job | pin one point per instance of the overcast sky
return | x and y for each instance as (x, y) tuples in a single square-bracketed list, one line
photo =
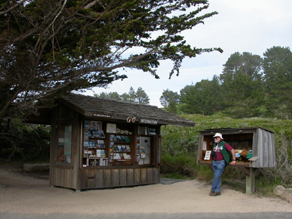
[(241, 26)]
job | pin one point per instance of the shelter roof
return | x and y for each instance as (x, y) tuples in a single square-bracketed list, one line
[(119, 110)]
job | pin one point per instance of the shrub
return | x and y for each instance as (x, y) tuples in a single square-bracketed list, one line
[(24, 141), (182, 164)]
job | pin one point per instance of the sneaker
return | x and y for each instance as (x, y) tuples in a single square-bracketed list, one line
[(212, 193)]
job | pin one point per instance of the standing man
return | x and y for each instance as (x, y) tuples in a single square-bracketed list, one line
[(221, 158)]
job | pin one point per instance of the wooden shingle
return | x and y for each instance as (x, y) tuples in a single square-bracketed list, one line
[(114, 109)]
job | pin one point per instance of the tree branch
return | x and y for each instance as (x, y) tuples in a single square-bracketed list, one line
[(12, 7)]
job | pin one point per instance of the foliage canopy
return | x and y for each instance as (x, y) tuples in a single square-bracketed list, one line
[(50, 47), (249, 86), (133, 96)]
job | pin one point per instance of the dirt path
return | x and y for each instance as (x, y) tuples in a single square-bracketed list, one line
[(26, 194)]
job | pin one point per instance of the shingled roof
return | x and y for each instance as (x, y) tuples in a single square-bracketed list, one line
[(114, 109)]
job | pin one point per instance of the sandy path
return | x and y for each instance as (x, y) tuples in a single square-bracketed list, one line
[(25, 194)]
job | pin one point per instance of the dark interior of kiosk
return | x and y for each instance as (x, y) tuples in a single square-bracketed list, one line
[(242, 144)]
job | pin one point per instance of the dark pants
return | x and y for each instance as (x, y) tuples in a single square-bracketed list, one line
[(218, 169)]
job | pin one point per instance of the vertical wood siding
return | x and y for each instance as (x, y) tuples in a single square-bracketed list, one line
[(109, 178), (264, 149), (63, 177), (273, 151), (130, 177)]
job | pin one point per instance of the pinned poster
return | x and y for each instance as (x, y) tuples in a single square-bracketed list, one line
[(111, 128), (207, 155), (204, 146)]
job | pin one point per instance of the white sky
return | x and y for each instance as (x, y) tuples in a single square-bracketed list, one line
[(241, 26)]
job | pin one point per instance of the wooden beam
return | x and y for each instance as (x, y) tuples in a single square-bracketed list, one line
[(250, 181), (245, 170)]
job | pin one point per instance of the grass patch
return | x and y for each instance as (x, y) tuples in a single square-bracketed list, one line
[(205, 173), (265, 187)]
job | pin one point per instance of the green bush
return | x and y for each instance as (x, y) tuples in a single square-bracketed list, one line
[(24, 142), (182, 164), (204, 173)]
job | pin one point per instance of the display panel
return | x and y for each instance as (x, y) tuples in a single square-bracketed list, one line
[(64, 143), (143, 150), (106, 148), (115, 144)]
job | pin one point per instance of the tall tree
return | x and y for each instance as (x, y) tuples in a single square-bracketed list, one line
[(278, 80), (205, 97), (187, 96), (141, 96), (169, 100), (110, 95), (242, 84), (130, 96), (169, 97), (136, 97), (52, 47)]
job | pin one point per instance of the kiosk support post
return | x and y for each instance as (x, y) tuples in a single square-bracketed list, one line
[(250, 181)]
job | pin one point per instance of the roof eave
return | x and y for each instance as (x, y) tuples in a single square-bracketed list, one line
[(138, 120), (190, 124)]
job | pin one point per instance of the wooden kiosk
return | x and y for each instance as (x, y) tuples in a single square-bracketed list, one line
[(103, 143), (254, 148)]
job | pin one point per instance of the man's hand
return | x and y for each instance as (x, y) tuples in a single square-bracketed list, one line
[(233, 163)]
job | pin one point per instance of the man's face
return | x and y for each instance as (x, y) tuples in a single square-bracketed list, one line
[(217, 139)]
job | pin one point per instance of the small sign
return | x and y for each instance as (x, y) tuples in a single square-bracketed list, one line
[(149, 121), (152, 131), (101, 115), (207, 155)]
